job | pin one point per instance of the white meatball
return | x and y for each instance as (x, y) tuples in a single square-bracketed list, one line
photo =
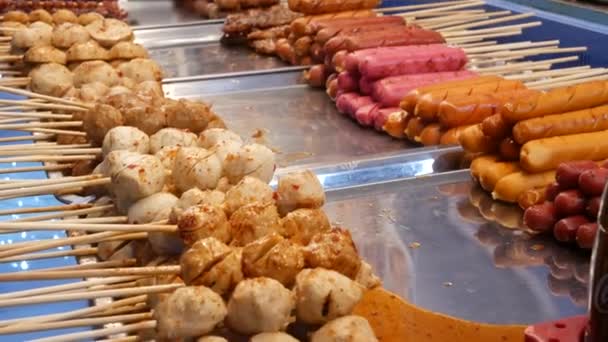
[(247, 191), (273, 337), (118, 90), (64, 16), (167, 157), (196, 196), (128, 50), (149, 88), (252, 160), (349, 328), (141, 69), (153, 208), (93, 92), (211, 339), (125, 138), (260, 305), (68, 34), (196, 167), (51, 79), (189, 312), (203, 221), (299, 189), (89, 17), (366, 276), (38, 33), (95, 71), (44, 54), (323, 295), (209, 138), (109, 32), (86, 51), (169, 137)]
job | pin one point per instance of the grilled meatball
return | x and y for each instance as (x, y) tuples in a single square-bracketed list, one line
[(87, 18), (196, 167), (39, 34), (99, 120), (86, 51), (274, 257), (68, 34), (128, 50), (251, 160), (248, 190), (95, 71), (141, 70), (300, 225), (41, 15), (172, 137), (93, 92), (109, 32), (366, 276), (51, 79), (348, 328), (148, 88), (191, 115), (125, 138), (64, 16), (300, 189), (254, 221), (273, 337), (11, 25), (202, 221), (196, 196), (333, 250), (18, 16), (44, 54)]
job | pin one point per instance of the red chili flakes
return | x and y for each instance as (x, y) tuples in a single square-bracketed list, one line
[(296, 187)]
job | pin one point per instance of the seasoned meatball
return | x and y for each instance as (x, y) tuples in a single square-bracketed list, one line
[(153, 208), (18, 16), (189, 312), (167, 157), (172, 137), (144, 113), (95, 71), (86, 51), (41, 15), (44, 54), (300, 225), (211, 339), (119, 90), (323, 295), (109, 32), (87, 18), (248, 190), (33, 35), (92, 92), (141, 70), (196, 167), (260, 305), (125, 138), (64, 16), (128, 50), (348, 328), (99, 120), (191, 115), (68, 34), (274, 257), (254, 221), (14, 25), (273, 337), (333, 250), (366, 276), (251, 160), (211, 263), (196, 196), (202, 221), (51, 79), (300, 189), (210, 138), (149, 88)]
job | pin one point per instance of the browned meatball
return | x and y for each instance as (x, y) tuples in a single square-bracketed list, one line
[(333, 250), (146, 114), (254, 221), (202, 221), (99, 120), (274, 257), (186, 114), (300, 225)]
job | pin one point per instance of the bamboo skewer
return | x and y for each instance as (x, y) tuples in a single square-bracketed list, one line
[(55, 131), (574, 81), (490, 21), (40, 104), (53, 225), (58, 167), (420, 6), (102, 219), (42, 145), (443, 8), (41, 115), (54, 151), (68, 103), (453, 34), (529, 52), (549, 73), (78, 212), (35, 137), (42, 125), (28, 183), (480, 37), (91, 266), (31, 210), (511, 46), (527, 65), (50, 255), (99, 332), (456, 20), (43, 158), (487, 43), (110, 272)]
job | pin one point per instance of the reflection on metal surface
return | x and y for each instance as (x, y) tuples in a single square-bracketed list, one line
[(179, 36)]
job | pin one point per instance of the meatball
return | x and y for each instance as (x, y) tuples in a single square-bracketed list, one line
[(300, 225), (44, 54), (40, 15), (333, 250), (119, 90), (149, 88), (273, 337), (366, 276), (125, 138), (196, 196), (141, 69), (217, 122), (93, 92), (99, 120), (86, 51), (274, 257), (186, 114), (248, 190), (128, 50), (144, 113), (196, 167), (210, 138), (95, 71), (171, 137), (51, 79), (299, 189), (87, 18), (189, 312), (211, 339), (18, 16), (202, 221), (117, 250), (323, 295), (167, 157), (11, 28), (254, 221), (68, 34), (211, 263), (348, 328), (260, 305), (109, 32), (33, 35), (251, 160), (64, 16), (153, 208)]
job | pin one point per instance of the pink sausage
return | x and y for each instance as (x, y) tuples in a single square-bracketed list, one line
[(380, 66), (348, 82), (365, 114), (391, 90), (349, 103), (382, 117), (352, 60), (365, 86)]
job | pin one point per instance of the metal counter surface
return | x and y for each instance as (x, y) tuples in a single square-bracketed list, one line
[(433, 247), (157, 12)]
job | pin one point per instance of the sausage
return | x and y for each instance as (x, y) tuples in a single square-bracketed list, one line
[(496, 127), (348, 82), (510, 187), (557, 100), (302, 26), (473, 140), (593, 207), (366, 87), (301, 46), (285, 50), (389, 91), (581, 121), (547, 153), (330, 6), (382, 115), (450, 137), (430, 135), (414, 128), (332, 88), (315, 76), (467, 110), (541, 217), (355, 25), (317, 53), (585, 235), (531, 197), (481, 163), (592, 182), (552, 190), (570, 202), (396, 124), (567, 173), (509, 149), (427, 105), (366, 115), (411, 99), (492, 173), (338, 61), (348, 103), (565, 229)]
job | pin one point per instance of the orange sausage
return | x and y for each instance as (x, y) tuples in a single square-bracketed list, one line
[(414, 128), (301, 46), (316, 76), (558, 100), (427, 105), (493, 172), (396, 124), (496, 127), (510, 187), (301, 26), (468, 110), (481, 163), (450, 137), (430, 135), (330, 6), (473, 140), (509, 150)]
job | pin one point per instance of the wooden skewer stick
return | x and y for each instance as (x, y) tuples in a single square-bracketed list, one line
[(487, 43), (102, 219), (109, 272), (145, 325), (78, 212), (453, 34), (92, 266), (132, 338), (58, 167), (50, 255), (442, 8), (6, 121), (526, 65), (570, 80), (79, 322), (10, 58), (31, 210), (55, 131), (42, 125), (70, 104), (26, 183), (40, 104), (43, 158), (41, 115), (86, 312), (66, 287), (489, 22), (35, 137), (53, 225), (53, 151), (122, 310), (510, 46), (478, 38), (44, 145), (529, 52), (548, 73), (421, 6), (444, 22), (447, 14)]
